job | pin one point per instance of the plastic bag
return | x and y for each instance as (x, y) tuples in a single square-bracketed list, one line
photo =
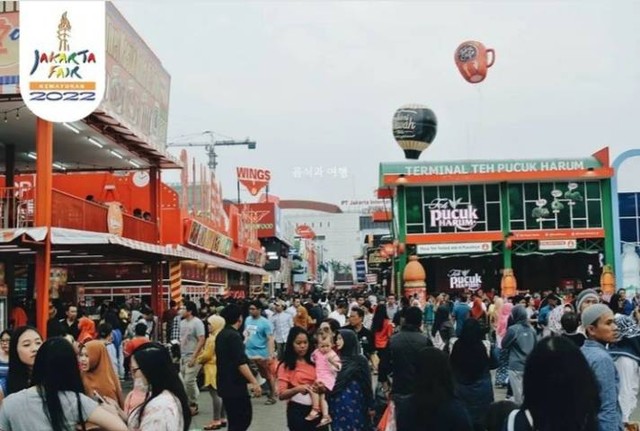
[(388, 421)]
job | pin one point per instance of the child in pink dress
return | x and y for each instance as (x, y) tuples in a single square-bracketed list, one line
[(327, 366)]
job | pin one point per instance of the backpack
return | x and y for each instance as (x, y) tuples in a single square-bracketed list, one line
[(511, 420)]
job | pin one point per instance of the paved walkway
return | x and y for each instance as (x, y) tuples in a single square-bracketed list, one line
[(273, 418)]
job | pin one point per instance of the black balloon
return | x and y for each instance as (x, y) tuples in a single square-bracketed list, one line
[(414, 128)]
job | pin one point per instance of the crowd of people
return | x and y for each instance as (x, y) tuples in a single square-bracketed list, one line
[(354, 363)]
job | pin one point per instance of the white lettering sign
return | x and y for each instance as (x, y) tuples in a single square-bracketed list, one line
[(461, 279), (453, 213), (496, 167), (557, 244), (469, 247)]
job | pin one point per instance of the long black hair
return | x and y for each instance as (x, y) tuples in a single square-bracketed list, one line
[(19, 372), (434, 383), (154, 362), (56, 370), (289, 358), (573, 404), (378, 318), (614, 303), (469, 358), (442, 316)]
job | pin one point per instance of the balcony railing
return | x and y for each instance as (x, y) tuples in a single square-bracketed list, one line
[(17, 210), (139, 229), (16, 207)]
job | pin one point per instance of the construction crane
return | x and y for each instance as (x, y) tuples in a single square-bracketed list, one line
[(210, 147)]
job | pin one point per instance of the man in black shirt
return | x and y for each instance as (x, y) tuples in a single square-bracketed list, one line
[(233, 371), (54, 327), (365, 336), (70, 323), (316, 311), (404, 349)]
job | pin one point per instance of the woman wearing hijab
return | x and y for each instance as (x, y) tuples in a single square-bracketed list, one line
[(209, 364), (626, 357), (302, 319), (100, 377), (87, 328), (442, 331), (502, 375), (471, 363), (478, 313), (494, 315), (54, 400), (351, 400)]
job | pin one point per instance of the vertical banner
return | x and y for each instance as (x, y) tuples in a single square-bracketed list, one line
[(184, 181), (9, 45), (175, 281), (62, 58), (253, 179)]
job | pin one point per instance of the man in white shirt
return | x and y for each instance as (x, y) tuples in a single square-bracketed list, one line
[(293, 308), (340, 313), (282, 323)]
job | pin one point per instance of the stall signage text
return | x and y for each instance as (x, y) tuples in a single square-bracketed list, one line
[(489, 167), (557, 244), (253, 179), (468, 247)]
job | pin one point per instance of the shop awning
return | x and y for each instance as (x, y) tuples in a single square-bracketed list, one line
[(72, 237), (220, 262)]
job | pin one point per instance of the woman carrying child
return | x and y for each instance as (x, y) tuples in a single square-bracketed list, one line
[(327, 366)]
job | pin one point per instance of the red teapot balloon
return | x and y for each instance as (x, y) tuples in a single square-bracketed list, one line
[(474, 60)]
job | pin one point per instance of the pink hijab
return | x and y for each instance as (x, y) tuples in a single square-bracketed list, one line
[(503, 318)]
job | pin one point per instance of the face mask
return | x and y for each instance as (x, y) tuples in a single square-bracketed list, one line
[(140, 385)]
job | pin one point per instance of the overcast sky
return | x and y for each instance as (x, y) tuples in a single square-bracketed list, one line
[(316, 83)]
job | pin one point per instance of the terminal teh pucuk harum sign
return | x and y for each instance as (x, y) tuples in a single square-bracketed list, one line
[(488, 166)]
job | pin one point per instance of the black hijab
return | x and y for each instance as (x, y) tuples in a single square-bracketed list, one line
[(469, 359), (355, 366)]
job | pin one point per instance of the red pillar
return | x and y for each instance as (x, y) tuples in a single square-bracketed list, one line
[(155, 184), (44, 152)]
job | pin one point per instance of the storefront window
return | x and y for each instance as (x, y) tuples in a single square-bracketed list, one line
[(414, 207), (450, 209), (556, 205), (629, 216)]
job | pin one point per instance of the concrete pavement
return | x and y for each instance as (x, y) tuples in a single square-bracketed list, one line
[(273, 418)]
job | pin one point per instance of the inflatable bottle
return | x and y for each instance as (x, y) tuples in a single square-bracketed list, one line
[(630, 269)]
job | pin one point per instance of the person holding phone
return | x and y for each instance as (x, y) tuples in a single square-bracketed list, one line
[(99, 377), (56, 401)]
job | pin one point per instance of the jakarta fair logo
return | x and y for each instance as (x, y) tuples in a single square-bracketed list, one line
[(62, 61)]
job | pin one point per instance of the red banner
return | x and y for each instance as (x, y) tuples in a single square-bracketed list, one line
[(254, 179), (262, 218)]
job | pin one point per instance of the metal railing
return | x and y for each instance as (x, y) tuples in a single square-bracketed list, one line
[(75, 213), (17, 210), (16, 207), (142, 230)]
